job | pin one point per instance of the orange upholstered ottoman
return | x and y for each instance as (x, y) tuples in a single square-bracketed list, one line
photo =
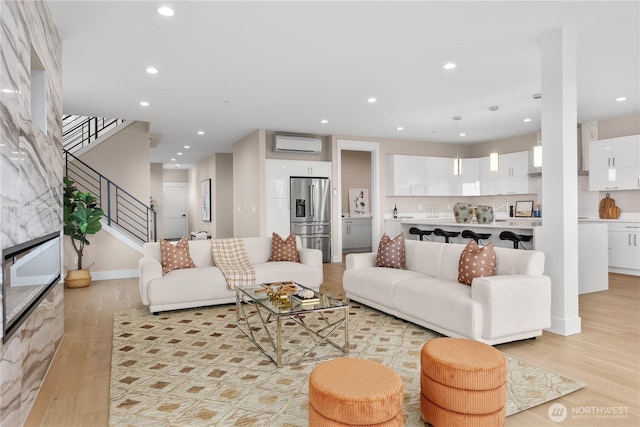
[(462, 383), (355, 392)]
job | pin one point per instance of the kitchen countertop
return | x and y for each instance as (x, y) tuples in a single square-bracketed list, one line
[(627, 218), (507, 223)]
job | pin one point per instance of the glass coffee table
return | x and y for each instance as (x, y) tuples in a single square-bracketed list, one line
[(290, 329)]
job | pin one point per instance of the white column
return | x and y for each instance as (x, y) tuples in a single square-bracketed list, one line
[(558, 236)]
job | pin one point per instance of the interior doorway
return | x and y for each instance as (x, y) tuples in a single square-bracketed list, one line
[(175, 203), (356, 201), (374, 190)]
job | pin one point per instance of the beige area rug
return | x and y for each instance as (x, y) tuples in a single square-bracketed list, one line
[(194, 367)]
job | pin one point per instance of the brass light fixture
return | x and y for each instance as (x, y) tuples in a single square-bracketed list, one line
[(537, 149), (457, 162), (493, 157)]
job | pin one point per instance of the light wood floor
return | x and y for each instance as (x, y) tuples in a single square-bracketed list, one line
[(606, 356)]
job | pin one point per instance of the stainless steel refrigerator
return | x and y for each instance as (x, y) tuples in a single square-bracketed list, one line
[(311, 213)]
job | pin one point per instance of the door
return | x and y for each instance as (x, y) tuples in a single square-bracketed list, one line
[(174, 196)]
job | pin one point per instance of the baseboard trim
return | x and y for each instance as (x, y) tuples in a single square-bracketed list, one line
[(624, 271), (114, 274), (565, 327)]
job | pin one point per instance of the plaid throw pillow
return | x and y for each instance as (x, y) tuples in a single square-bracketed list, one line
[(174, 257), (476, 261), (391, 252), (284, 250)]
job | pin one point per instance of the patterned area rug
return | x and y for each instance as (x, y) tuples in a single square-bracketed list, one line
[(194, 367)]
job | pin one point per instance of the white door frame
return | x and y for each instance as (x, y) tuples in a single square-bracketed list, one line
[(186, 201), (374, 149)]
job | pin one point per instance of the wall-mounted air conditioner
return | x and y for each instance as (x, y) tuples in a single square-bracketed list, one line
[(297, 144)]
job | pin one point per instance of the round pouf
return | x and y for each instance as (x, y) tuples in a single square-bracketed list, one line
[(462, 383), (355, 392)]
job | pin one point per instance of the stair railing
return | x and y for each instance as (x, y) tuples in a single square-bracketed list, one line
[(121, 209), (79, 131)]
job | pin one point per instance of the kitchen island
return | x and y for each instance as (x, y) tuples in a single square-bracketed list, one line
[(525, 226)]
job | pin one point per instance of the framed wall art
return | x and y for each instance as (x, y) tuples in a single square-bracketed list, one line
[(206, 200), (358, 202), (524, 208)]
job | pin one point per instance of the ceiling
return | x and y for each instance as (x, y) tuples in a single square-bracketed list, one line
[(228, 68)]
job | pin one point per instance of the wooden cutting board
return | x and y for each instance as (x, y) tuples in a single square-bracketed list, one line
[(608, 208)]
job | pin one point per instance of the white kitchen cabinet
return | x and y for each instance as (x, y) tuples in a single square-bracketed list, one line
[(447, 181), (278, 216), (432, 179), (614, 152), (356, 234), (277, 174), (469, 184), (513, 173), (488, 179), (412, 175), (624, 245), (398, 175), (310, 168), (614, 164), (418, 175)]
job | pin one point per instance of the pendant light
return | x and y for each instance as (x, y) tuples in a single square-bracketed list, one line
[(537, 149), (493, 157), (457, 162)]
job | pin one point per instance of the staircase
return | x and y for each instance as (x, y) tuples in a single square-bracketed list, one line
[(133, 219), (80, 131)]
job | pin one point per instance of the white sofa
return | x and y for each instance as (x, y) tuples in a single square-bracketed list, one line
[(514, 304), (205, 284)]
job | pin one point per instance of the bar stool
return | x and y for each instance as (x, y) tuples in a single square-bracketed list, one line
[(421, 233), (446, 234), (468, 234), (515, 238)]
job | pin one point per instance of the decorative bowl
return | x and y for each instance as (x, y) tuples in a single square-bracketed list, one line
[(463, 212), (484, 214)]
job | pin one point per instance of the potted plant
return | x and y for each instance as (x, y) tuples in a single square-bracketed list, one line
[(81, 218)]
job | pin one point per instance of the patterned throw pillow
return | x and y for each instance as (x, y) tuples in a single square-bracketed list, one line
[(476, 261), (284, 250), (175, 256), (391, 252)]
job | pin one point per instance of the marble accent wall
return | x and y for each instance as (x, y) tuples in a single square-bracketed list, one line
[(31, 169)]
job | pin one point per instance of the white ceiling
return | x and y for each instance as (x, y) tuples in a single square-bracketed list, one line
[(228, 68)]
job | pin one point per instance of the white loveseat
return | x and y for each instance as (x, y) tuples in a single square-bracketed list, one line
[(514, 304), (205, 285)]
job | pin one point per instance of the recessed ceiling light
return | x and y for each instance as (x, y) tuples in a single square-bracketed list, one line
[(371, 100), (200, 132), (7, 90), (179, 153), (166, 11), (152, 70), (177, 165), (463, 134), (324, 121), (187, 146), (173, 160), (399, 128), (527, 120), (144, 103), (449, 66), (621, 98)]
